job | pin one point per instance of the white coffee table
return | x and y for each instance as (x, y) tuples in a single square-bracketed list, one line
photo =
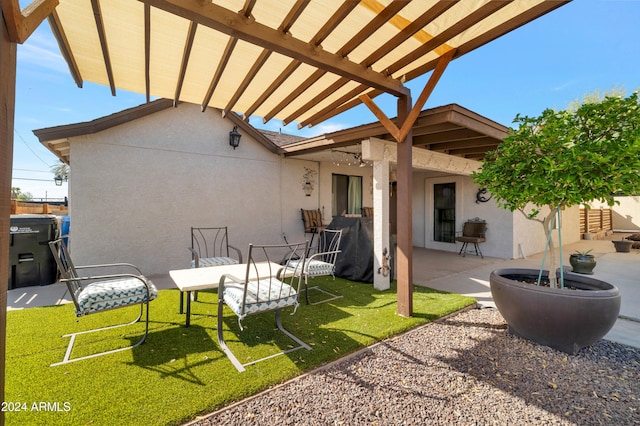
[(193, 279)]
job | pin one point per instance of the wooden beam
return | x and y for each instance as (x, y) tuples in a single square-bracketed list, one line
[(407, 125), (308, 82), (65, 49), (186, 54), (236, 25), (342, 105), (293, 15), (437, 43), (381, 116), (95, 4), (326, 29), (147, 52), (410, 30), (21, 24), (293, 65), (231, 44), (381, 17), (257, 64), (288, 21), (404, 254), (8, 61)]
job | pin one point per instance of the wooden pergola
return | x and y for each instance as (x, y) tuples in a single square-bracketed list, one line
[(301, 61)]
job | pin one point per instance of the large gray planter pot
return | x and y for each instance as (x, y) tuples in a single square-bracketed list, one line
[(566, 320)]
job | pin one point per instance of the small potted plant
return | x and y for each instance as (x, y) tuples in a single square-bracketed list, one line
[(582, 262), (622, 246)]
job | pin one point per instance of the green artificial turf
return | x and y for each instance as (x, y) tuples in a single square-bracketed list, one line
[(180, 372)]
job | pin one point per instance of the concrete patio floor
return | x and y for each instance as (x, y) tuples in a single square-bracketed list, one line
[(470, 276), (451, 272)]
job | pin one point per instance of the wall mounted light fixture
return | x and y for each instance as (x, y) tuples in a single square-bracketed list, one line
[(58, 179), (234, 137)]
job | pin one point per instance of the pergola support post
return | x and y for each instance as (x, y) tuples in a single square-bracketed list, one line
[(7, 114), (381, 243), (404, 253)]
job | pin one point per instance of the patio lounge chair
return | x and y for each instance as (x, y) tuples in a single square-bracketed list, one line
[(473, 231), (257, 293), (210, 247), (321, 263), (102, 293)]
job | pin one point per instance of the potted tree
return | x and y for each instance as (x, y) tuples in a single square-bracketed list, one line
[(549, 163)]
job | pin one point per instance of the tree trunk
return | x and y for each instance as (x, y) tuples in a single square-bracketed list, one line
[(549, 224)]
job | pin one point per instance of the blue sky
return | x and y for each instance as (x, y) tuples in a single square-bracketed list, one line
[(585, 46)]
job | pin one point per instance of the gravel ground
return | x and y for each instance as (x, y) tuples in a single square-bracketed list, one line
[(465, 369)]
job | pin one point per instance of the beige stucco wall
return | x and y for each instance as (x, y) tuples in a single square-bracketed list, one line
[(509, 235), (136, 190), (499, 222)]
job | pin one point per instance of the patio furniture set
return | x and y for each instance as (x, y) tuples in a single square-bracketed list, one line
[(270, 279)]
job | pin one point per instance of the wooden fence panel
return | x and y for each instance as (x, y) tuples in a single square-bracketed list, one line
[(595, 220), (18, 207)]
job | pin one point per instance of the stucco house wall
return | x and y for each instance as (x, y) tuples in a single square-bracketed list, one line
[(509, 235), (137, 188), (499, 222)]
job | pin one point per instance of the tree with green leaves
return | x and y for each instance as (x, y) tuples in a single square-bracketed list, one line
[(17, 194), (61, 170), (566, 158)]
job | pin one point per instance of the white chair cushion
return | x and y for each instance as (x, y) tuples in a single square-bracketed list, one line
[(214, 261), (314, 267), (103, 295), (263, 295)]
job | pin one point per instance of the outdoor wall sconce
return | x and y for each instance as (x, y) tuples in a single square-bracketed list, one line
[(58, 179), (234, 137)]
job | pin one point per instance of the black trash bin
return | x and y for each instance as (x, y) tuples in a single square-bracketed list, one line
[(31, 262)]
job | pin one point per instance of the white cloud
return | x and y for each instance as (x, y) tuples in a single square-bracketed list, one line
[(41, 53)]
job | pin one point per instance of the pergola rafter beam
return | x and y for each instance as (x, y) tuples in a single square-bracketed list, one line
[(400, 134), (326, 29), (293, 65), (231, 44), (238, 26), (440, 39), (95, 5), (191, 35), (435, 42), (379, 19), (147, 52), (63, 43), (409, 31), (288, 21)]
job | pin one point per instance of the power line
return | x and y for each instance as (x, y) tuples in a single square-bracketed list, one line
[(40, 180), (30, 170), (32, 151)]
